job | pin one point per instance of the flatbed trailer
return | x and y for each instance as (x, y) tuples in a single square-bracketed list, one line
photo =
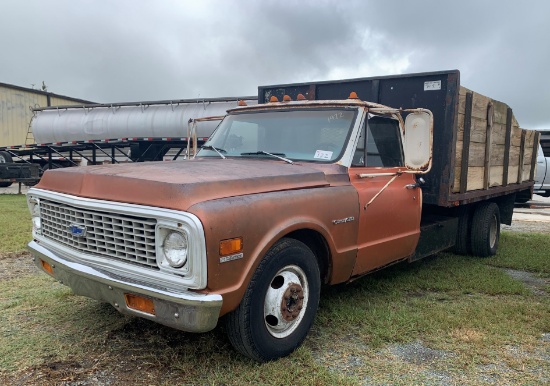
[(71, 142)]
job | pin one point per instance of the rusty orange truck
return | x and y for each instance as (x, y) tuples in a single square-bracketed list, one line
[(320, 183)]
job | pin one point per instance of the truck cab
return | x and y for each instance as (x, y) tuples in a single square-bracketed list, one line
[(362, 143), (283, 197)]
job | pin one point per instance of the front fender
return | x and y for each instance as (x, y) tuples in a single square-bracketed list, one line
[(263, 219)]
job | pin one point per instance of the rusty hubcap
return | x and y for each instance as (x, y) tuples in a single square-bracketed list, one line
[(293, 302), (286, 301)]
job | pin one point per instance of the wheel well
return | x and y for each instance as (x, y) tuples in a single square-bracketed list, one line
[(318, 245), (505, 207)]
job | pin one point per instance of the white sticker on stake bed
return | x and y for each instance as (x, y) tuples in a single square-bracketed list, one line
[(433, 85), (323, 154)]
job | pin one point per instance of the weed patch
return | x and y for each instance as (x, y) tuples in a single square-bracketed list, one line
[(447, 319)]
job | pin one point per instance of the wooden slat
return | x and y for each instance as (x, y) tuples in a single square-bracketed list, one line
[(475, 177), (477, 154), (488, 144), (507, 146), (521, 155)]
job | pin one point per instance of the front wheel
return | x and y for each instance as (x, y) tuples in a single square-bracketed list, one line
[(279, 305)]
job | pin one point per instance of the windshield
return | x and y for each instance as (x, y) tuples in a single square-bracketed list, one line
[(306, 135)]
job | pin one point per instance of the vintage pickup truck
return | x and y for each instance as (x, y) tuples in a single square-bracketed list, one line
[(316, 186)]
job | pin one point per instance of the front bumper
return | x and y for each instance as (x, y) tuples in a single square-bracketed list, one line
[(186, 311)]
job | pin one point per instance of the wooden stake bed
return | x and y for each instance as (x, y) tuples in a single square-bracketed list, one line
[(480, 152), (489, 127)]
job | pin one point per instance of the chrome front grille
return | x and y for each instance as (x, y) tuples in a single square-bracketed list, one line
[(112, 235)]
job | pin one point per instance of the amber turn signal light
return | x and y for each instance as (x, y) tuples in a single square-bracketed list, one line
[(231, 246), (47, 267), (140, 303), (273, 99)]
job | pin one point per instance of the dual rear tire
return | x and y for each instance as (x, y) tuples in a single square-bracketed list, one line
[(478, 230)]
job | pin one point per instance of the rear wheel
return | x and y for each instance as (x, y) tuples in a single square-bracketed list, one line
[(485, 229), (279, 305), (5, 184), (463, 233)]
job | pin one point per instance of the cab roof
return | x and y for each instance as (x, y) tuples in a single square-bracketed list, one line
[(308, 104)]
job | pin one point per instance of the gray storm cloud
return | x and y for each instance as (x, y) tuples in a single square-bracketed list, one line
[(109, 51)]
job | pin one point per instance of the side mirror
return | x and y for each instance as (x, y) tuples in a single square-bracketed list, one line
[(418, 141)]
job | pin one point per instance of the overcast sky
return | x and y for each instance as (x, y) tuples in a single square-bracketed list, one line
[(132, 50)]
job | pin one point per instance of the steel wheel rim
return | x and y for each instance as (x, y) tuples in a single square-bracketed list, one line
[(286, 301)]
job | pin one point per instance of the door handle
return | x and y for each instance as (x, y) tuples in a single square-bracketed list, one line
[(418, 184)]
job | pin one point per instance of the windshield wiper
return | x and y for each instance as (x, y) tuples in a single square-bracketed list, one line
[(219, 151), (276, 155)]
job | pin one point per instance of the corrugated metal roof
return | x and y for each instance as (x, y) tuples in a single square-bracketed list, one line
[(46, 93)]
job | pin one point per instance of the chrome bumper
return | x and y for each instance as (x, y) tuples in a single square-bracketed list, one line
[(186, 311)]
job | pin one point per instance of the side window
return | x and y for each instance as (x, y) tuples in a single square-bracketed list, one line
[(383, 144)]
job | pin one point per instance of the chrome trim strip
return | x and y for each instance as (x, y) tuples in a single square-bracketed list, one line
[(183, 310)]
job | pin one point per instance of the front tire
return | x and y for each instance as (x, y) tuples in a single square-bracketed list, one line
[(485, 229), (279, 305)]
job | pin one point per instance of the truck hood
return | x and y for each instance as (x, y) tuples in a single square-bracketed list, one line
[(181, 184)]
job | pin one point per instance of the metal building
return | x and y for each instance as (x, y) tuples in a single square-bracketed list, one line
[(16, 104)]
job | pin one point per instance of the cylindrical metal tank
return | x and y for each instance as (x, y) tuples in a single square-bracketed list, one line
[(151, 119)]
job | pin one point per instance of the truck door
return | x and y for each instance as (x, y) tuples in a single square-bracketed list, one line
[(390, 204)]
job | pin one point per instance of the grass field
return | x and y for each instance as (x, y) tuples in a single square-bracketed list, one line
[(447, 319), (15, 223)]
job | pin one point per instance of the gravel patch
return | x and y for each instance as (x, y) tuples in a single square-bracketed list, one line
[(492, 373), (14, 265), (537, 285), (417, 353), (527, 226)]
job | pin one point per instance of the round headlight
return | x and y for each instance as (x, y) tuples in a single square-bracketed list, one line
[(175, 249)]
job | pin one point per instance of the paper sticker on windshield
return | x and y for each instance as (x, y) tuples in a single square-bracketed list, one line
[(323, 154)]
